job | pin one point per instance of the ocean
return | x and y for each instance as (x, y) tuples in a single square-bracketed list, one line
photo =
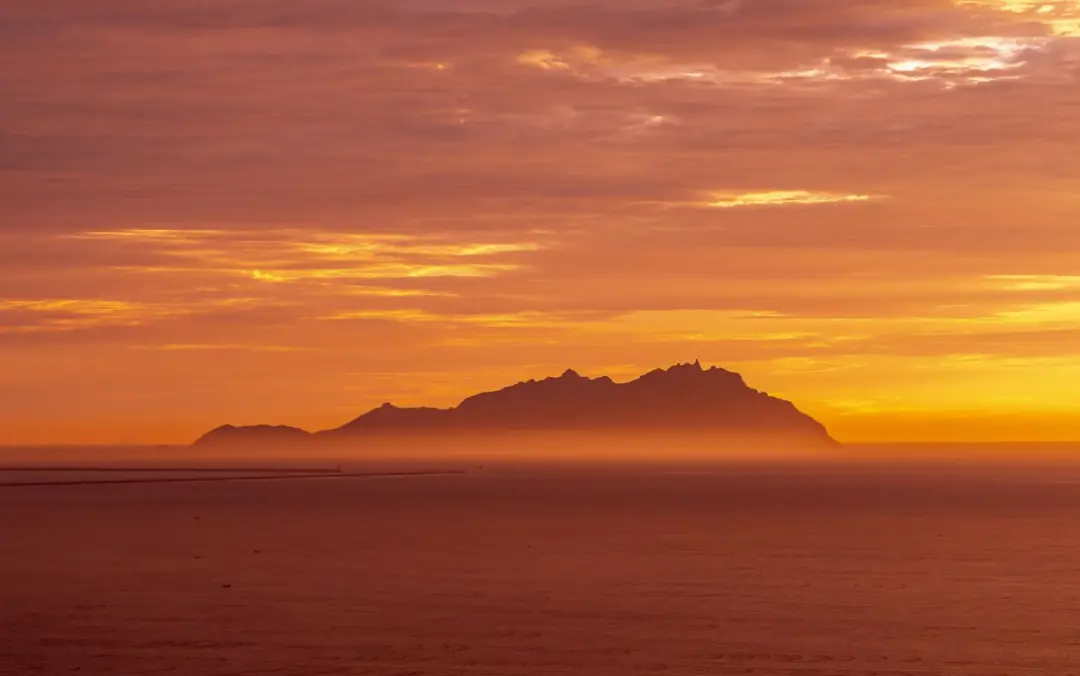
[(783, 568)]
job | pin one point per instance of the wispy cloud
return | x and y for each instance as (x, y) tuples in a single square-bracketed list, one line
[(291, 255), (72, 314), (799, 189), (1035, 282), (218, 347), (779, 198)]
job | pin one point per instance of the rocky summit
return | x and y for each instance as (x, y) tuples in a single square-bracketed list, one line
[(682, 399)]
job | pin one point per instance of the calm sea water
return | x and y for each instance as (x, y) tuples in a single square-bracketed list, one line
[(769, 570)]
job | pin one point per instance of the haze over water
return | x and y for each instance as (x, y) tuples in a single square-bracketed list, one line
[(782, 568)]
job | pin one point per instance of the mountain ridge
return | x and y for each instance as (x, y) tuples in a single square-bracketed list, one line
[(683, 398)]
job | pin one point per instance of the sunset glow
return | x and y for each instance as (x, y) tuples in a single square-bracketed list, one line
[(780, 198), (244, 214)]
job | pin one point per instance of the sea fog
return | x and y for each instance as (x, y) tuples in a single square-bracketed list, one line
[(947, 563)]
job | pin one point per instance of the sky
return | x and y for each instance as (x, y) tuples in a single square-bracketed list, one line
[(246, 211)]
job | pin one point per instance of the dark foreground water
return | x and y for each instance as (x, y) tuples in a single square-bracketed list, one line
[(781, 569)]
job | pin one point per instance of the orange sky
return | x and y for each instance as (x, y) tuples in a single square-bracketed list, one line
[(265, 211)]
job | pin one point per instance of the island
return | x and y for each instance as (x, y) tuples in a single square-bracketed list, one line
[(685, 401), (253, 435)]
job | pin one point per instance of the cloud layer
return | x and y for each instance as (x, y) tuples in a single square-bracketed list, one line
[(248, 208)]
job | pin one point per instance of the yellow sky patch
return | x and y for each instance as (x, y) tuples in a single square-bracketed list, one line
[(290, 255), (779, 198)]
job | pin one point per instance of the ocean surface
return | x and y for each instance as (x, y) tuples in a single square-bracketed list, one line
[(772, 569)]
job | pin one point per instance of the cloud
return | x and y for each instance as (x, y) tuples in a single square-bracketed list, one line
[(217, 347), (823, 192), (285, 255), (1035, 282), (73, 314), (779, 198)]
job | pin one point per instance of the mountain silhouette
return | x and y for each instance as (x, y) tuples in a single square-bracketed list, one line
[(253, 434), (683, 399)]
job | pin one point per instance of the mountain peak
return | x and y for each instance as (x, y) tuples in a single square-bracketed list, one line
[(688, 366), (253, 434), (684, 398)]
